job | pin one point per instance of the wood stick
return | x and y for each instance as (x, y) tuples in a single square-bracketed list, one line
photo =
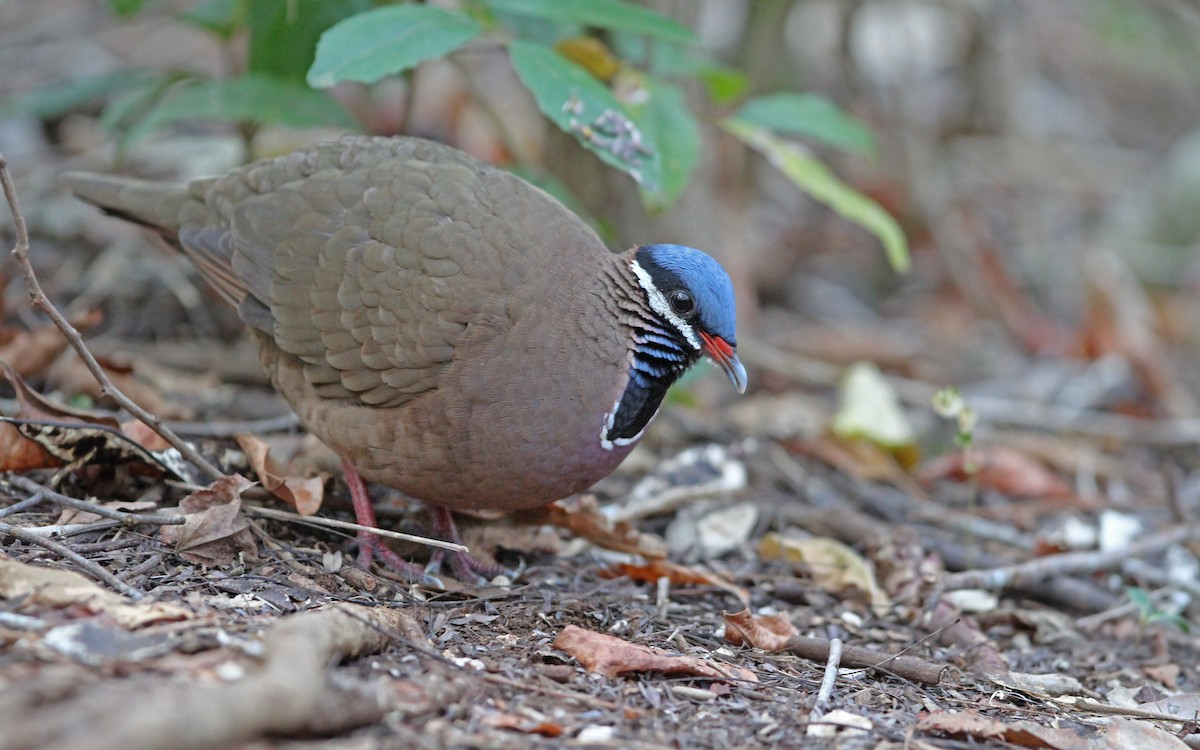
[(129, 519), (40, 301), (62, 550)]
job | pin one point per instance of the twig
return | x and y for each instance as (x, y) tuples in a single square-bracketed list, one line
[(906, 667), (67, 553), (40, 301), (1067, 563), (280, 515), (129, 519), (831, 672), (19, 507), (282, 423)]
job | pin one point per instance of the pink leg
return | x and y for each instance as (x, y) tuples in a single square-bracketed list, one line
[(465, 567), (368, 543)]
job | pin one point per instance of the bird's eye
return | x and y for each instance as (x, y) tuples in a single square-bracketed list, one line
[(682, 302)]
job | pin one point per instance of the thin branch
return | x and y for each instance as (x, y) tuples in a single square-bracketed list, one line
[(129, 519), (825, 694), (40, 301), (282, 423), (280, 515), (1068, 562), (65, 552)]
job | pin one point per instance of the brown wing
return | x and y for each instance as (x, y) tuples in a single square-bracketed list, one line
[(369, 259)]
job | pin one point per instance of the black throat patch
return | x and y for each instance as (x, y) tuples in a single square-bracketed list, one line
[(659, 358)]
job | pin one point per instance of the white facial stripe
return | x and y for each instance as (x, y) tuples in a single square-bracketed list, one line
[(660, 305)]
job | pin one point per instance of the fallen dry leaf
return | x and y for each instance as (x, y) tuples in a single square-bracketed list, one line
[(1000, 468), (1121, 733), (140, 433), (70, 375), (500, 720), (30, 586), (33, 405), (20, 454), (863, 459), (215, 531), (612, 656), (31, 352), (582, 517), (771, 634), (304, 494), (829, 563), (653, 570), (47, 434)]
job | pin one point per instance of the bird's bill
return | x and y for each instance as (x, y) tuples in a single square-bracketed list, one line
[(722, 354)]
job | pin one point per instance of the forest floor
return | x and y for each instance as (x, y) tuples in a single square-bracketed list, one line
[(1036, 591), (759, 572)]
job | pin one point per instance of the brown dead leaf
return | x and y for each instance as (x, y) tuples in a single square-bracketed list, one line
[(140, 433), (33, 405), (70, 375), (501, 720), (47, 434), (303, 494), (34, 586), (861, 458), (653, 570), (582, 517), (771, 634), (1167, 674), (215, 531), (32, 352), (1121, 734), (1000, 468), (612, 656), (20, 454), (972, 725)]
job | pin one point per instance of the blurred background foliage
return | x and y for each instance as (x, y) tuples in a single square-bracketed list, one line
[(1040, 160)]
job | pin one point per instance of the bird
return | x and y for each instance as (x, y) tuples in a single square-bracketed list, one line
[(447, 328)]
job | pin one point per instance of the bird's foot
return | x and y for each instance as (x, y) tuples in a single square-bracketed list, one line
[(464, 566), (371, 544)]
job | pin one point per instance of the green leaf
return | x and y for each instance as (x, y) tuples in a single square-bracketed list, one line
[(125, 8), (815, 178), (606, 14), (219, 17), (57, 99), (664, 119), (130, 105), (387, 40), (808, 116), (284, 33), (724, 84), (582, 106), (665, 59), (250, 98)]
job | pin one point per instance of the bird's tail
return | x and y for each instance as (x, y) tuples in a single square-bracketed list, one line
[(156, 205)]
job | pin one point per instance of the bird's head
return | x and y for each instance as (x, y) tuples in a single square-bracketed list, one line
[(693, 297)]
